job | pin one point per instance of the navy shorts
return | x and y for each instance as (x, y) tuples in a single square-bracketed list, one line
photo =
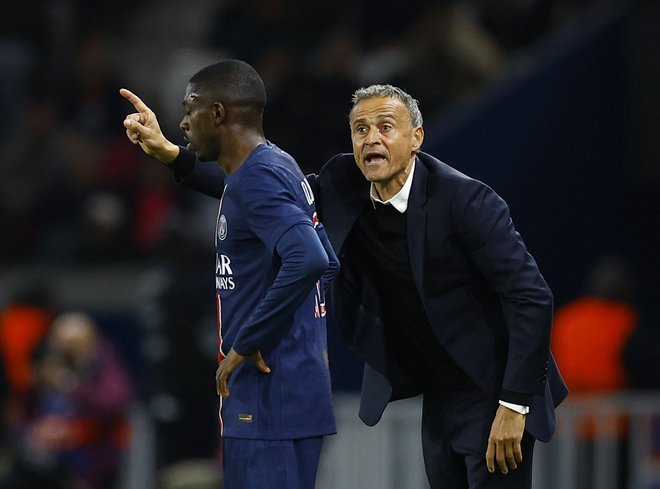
[(270, 464)]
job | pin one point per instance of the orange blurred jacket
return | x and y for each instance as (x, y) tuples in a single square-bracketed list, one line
[(21, 329), (587, 340)]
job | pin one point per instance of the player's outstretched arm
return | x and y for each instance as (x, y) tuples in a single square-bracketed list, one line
[(142, 128)]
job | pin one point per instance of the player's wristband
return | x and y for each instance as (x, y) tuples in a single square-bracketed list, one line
[(183, 164)]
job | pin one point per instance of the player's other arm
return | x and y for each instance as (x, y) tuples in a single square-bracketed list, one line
[(304, 260)]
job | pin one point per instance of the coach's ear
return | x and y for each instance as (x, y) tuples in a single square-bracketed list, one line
[(418, 138), (218, 112)]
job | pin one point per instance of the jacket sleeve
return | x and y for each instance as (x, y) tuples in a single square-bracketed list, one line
[(485, 228)]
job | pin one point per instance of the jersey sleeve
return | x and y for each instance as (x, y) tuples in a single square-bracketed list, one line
[(207, 178), (304, 259)]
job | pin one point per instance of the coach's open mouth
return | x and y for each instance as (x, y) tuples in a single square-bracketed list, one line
[(374, 158)]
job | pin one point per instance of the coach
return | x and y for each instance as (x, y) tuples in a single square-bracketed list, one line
[(439, 296)]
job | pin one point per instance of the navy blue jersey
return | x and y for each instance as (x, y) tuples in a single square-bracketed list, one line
[(263, 199)]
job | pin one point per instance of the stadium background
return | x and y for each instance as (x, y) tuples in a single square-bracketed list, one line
[(554, 103)]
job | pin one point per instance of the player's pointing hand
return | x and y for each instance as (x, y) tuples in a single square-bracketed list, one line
[(142, 128)]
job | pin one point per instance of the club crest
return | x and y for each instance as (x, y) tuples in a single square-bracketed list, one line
[(222, 227)]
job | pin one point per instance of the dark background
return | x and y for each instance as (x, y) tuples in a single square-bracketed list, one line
[(553, 103)]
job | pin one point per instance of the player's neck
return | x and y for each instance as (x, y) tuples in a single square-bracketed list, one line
[(237, 149)]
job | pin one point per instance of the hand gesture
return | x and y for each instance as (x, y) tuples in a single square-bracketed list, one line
[(504, 441), (228, 365), (142, 128)]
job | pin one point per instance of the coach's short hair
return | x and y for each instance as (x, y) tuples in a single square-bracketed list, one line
[(234, 82), (393, 92)]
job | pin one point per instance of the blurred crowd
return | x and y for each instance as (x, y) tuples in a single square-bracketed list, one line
[(65, 399), (70, 382), (73, 189)]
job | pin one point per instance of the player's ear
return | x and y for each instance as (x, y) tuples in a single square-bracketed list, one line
[(218, 112)]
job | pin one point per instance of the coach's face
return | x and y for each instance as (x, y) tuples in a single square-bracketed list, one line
[(384, 142), (200, 122)]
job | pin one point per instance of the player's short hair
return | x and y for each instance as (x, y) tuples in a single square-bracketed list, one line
[(390, 91), (232, 81)]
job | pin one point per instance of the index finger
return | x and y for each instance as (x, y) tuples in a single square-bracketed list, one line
[(137, 102)]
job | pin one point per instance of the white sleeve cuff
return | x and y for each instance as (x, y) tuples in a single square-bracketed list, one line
[(515, 407)]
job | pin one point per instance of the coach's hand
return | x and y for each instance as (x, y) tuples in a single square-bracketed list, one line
[(228, 365), (506, 434), (142, 128)]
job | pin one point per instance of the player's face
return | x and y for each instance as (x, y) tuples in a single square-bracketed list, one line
[(198, 124), (384, 141)]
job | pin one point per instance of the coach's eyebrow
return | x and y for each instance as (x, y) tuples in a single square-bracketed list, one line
[(380, 117)]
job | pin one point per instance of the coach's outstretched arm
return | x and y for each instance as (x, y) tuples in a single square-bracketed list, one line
[(142, 128)]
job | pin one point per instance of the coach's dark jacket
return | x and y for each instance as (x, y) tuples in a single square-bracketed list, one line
[(486, 301)]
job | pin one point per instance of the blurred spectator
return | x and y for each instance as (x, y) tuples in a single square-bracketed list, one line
[(589, 333), (588, 340), (24, 322), (75, 430)]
